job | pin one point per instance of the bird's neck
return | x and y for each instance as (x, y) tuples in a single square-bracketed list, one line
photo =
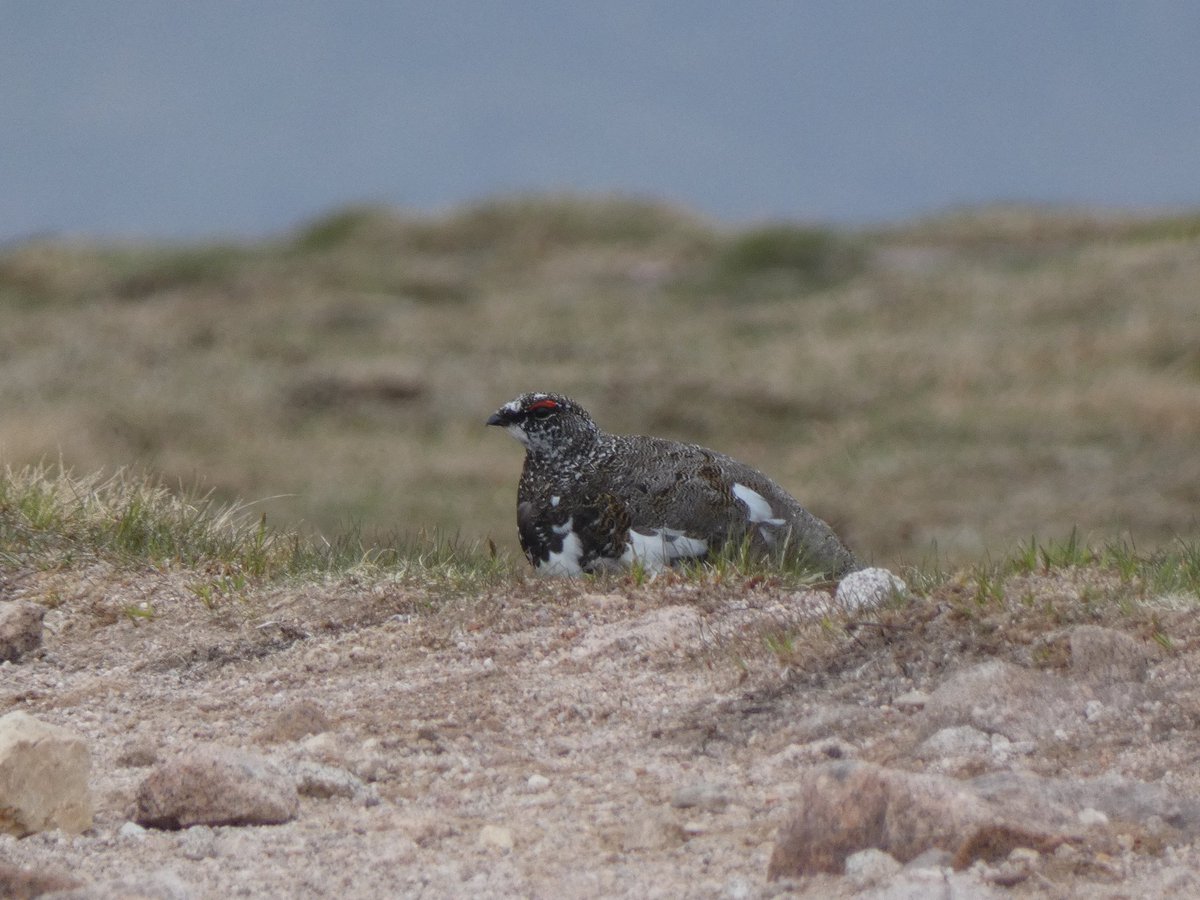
[(566, 454)]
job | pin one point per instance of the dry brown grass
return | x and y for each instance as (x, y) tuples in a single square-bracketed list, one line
[(960, 383)]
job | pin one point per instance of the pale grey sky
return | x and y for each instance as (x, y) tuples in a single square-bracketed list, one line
[(215, 117)]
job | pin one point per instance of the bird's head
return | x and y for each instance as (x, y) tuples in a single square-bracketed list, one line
[(546, 424)]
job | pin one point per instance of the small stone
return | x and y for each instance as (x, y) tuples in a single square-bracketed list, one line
[(322, 746), (131, 831), (1091, 816), (1025, 855), (871, 866), (323, 782), (297, 720), (911, 701), (1093, 710), (216, 786), (20, 628), (496, 836), (701, 795), (537, 783), (869, 588), (197, 843), (44, 772), (958, 740), (372, 767)]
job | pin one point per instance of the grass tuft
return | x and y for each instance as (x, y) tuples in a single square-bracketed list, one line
[(51, 518)]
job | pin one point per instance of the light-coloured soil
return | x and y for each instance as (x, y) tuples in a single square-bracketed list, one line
[(547, 739)]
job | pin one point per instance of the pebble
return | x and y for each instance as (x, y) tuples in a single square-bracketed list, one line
[(131, 831), (496, 836), (537, 783), (869, 588), (912, 701), (1091, 816), (701, 795), (322, 746), (871, 866), (197, 842)]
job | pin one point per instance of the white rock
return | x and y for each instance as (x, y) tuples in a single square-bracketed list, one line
[(869, 588), (496, 836), (43, 777), (871, 866), (537, 783), (1092, 816), (131, 831)]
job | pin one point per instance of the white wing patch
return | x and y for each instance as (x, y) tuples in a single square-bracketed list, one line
[(661, 547), (757, 506), (760, 512), (566, 560)]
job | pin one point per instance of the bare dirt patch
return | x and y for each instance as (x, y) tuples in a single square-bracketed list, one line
[(582, 739)]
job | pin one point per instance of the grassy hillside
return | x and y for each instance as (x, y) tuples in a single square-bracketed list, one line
[(951, 386)]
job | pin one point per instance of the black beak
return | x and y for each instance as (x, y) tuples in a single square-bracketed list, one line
[(498, 418)]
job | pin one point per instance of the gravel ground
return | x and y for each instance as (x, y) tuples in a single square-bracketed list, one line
[(550, 739)]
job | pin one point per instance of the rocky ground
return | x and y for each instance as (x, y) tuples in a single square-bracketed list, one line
[(558, 739)]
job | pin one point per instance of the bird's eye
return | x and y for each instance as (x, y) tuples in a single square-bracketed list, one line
[(542, 409)]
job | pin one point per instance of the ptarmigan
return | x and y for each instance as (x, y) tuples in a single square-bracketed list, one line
[(590, 501)]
